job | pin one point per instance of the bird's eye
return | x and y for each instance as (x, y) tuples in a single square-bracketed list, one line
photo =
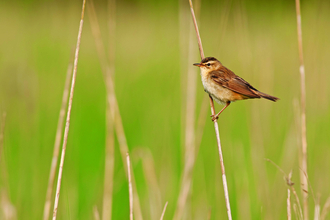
[(208, 64)]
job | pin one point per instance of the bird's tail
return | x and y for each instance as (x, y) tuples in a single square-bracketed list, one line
[(266, 96)]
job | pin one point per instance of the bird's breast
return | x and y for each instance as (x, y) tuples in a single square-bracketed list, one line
[(220, 94)]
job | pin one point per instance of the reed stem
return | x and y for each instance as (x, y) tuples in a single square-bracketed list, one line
[(190, 136), (57, 143), (163, 213), (216, 127), (303, 178), (67, 125), (130, 190), (288, 205), (113, 103)]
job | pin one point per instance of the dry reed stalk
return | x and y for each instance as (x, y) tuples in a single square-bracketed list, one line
[(203, 110), (300, 213), (288, 205), (317, 210), (200, 46), (130, 190), (303, 165), (110, 140), (295, 209), (9, 211), (311, 188), (57, 143), (150, 176), (290, 185), (189, 129), (326, 209), (112, 100), (67, 125), (188, 81), (112, 34), (163, 213), (96, 213), (216, 127), (109, 167), (110, 114)]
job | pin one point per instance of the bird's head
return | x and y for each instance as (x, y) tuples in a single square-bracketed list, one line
[(209, 64)]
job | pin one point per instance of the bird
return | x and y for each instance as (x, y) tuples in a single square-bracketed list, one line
[(224, 86)]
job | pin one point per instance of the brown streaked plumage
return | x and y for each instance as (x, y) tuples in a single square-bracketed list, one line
[(224, 86)]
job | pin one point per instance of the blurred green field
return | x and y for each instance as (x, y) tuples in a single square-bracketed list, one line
[(257, 40)]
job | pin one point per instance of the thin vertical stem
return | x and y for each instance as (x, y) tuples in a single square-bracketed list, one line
[(189, 159), (301, 216), (224, 180), (57, 143), (109, 166), (303, 179), (296, 212), (110, 115), (112, 101), (148, 167), (110, 139), (130, 190), (67, 125), (200, 46), (317, 210), (112, 34), (163, 213), (288, 205), (290, 184)]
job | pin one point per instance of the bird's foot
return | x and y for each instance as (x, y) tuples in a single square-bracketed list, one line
[(214, 117)]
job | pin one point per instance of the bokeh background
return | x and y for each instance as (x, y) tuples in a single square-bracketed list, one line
[(255, 39)]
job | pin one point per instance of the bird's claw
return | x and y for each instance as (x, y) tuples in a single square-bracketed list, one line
[(214, 117)]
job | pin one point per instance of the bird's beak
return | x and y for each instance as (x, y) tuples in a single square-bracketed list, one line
[(197, 64)]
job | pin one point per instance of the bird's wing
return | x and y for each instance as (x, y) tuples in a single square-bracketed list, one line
[(227, 79)]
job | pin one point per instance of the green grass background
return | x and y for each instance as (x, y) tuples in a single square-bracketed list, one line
[(257, 40)]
